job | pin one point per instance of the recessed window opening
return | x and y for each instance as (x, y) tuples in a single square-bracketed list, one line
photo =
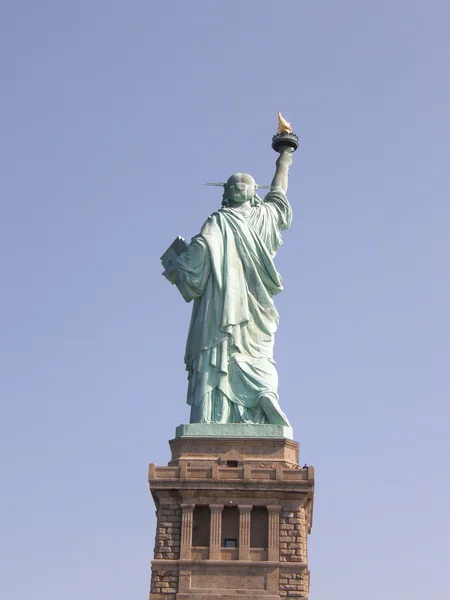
[(232, 463), (230, 543), (259, 527), (201, 526), (230, 525)]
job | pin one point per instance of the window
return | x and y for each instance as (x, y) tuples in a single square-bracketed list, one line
[(201, 526), (230, 525), (259, 527)]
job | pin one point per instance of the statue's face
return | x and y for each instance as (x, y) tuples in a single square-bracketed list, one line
[(240, 188)]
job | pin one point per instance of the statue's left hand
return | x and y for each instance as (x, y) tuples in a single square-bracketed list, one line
[(171, 275)]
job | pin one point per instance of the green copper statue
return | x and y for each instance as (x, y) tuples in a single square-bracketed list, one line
[(229, 273)]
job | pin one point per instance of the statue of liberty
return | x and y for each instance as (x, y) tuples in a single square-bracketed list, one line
[(228, 272)]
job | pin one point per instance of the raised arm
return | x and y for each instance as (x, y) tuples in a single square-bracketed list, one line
[(280, 179)]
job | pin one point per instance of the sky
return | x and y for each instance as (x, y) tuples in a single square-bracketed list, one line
[(113, 116)]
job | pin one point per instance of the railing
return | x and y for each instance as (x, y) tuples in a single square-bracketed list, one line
[(216, 472)]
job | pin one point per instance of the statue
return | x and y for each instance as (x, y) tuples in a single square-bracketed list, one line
[(229, 273)]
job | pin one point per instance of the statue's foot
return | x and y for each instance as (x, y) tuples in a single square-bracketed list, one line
[(274, 414)]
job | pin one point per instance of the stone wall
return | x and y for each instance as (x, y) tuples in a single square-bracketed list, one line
[(293, 535), (167, 546), (294, 585), (164, 582), (168, 532)]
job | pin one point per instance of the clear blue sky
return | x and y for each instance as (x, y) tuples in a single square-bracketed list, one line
[(113, 115)]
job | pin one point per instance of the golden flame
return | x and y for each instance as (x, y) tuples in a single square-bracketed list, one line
[(283, 125)]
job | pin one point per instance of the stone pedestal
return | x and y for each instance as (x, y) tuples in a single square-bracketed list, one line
[(233, 515)]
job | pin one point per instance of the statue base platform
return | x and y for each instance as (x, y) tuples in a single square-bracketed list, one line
[(208, 450), (233, 516), (234, 430)]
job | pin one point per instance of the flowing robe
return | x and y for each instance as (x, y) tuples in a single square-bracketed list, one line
[(228, 271)]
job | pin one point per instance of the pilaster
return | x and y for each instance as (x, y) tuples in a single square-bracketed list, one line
[(216, 531), (187, 511), (244, 531), (274, 532)]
